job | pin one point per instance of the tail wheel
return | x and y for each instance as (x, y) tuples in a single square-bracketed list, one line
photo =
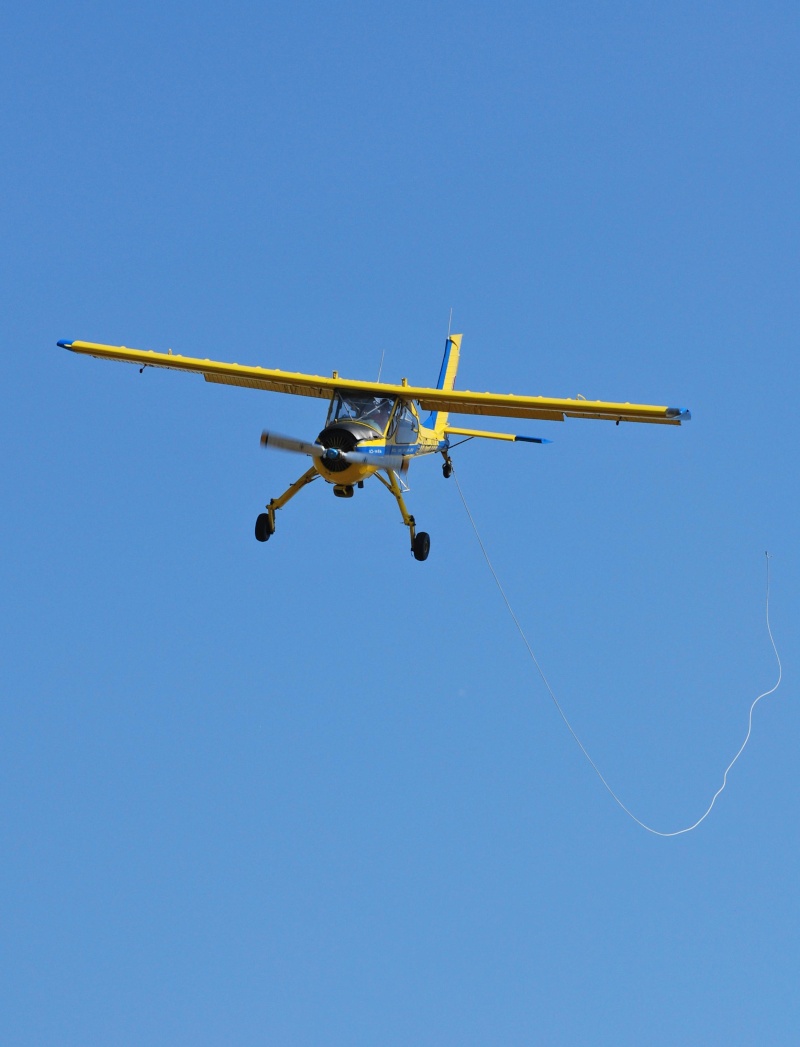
[(264, 527), (421, 545)]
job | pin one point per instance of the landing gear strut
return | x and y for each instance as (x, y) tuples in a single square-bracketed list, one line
[(420, 543), (265, 523)]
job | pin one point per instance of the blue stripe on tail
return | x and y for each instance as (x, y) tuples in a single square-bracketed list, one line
[(445, 361)]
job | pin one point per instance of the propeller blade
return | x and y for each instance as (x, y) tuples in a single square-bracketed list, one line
[(289, 443)]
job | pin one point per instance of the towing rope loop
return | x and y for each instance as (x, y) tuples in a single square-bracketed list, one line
[(562, 714)]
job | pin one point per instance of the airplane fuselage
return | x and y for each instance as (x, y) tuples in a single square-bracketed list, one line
[(402, 439)]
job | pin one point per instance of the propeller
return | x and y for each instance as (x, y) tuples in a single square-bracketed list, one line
[(289, 443), (328, 454)]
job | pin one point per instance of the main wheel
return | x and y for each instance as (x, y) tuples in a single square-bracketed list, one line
[(263, 527), (421, 545), (447, 470)]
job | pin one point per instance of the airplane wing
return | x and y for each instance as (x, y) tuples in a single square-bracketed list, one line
[(456, 401), (215, 371)]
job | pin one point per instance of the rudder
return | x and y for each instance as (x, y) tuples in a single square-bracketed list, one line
[(447, 375)]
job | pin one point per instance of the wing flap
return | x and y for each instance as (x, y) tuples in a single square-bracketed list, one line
[(528, 408), (545, 408), (273, 386)]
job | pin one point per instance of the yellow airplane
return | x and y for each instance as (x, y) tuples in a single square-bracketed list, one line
[(377, 428)]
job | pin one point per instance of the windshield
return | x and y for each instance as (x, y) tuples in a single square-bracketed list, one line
[(370, 410), (405, 427)]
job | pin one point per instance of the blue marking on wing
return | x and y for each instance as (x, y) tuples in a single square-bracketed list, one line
[(683, 413), (533, 440)]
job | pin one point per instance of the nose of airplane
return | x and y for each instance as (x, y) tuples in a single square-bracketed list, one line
[(341, 437)]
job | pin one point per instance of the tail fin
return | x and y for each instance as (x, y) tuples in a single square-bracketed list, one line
[(447, 376)]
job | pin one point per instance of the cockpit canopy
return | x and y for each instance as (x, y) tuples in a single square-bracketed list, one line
[(388, 416), (373, 411)]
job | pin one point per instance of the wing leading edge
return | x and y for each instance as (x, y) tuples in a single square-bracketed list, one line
[(455, 401)]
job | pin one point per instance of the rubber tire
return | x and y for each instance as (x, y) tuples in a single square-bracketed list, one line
[(421, 546), (447, 470), (263, 528)]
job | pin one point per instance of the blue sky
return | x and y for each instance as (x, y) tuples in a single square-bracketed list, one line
[(313, 792)]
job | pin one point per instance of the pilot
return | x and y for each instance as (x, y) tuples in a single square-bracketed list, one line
[(379, 414)]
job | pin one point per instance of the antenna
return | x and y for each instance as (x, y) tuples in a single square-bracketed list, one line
[(380, 369)]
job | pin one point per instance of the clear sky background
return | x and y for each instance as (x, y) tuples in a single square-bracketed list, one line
[(313, 792)]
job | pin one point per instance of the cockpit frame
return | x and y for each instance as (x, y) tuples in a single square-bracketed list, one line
[(372, 411)]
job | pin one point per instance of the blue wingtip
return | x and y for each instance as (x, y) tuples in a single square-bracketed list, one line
[(682, 414), (532, 440), (65, 344)]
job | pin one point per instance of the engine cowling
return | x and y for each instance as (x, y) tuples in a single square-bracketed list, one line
[(343, 436)]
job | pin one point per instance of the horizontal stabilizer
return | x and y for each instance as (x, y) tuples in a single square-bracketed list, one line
[(486, 434)]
